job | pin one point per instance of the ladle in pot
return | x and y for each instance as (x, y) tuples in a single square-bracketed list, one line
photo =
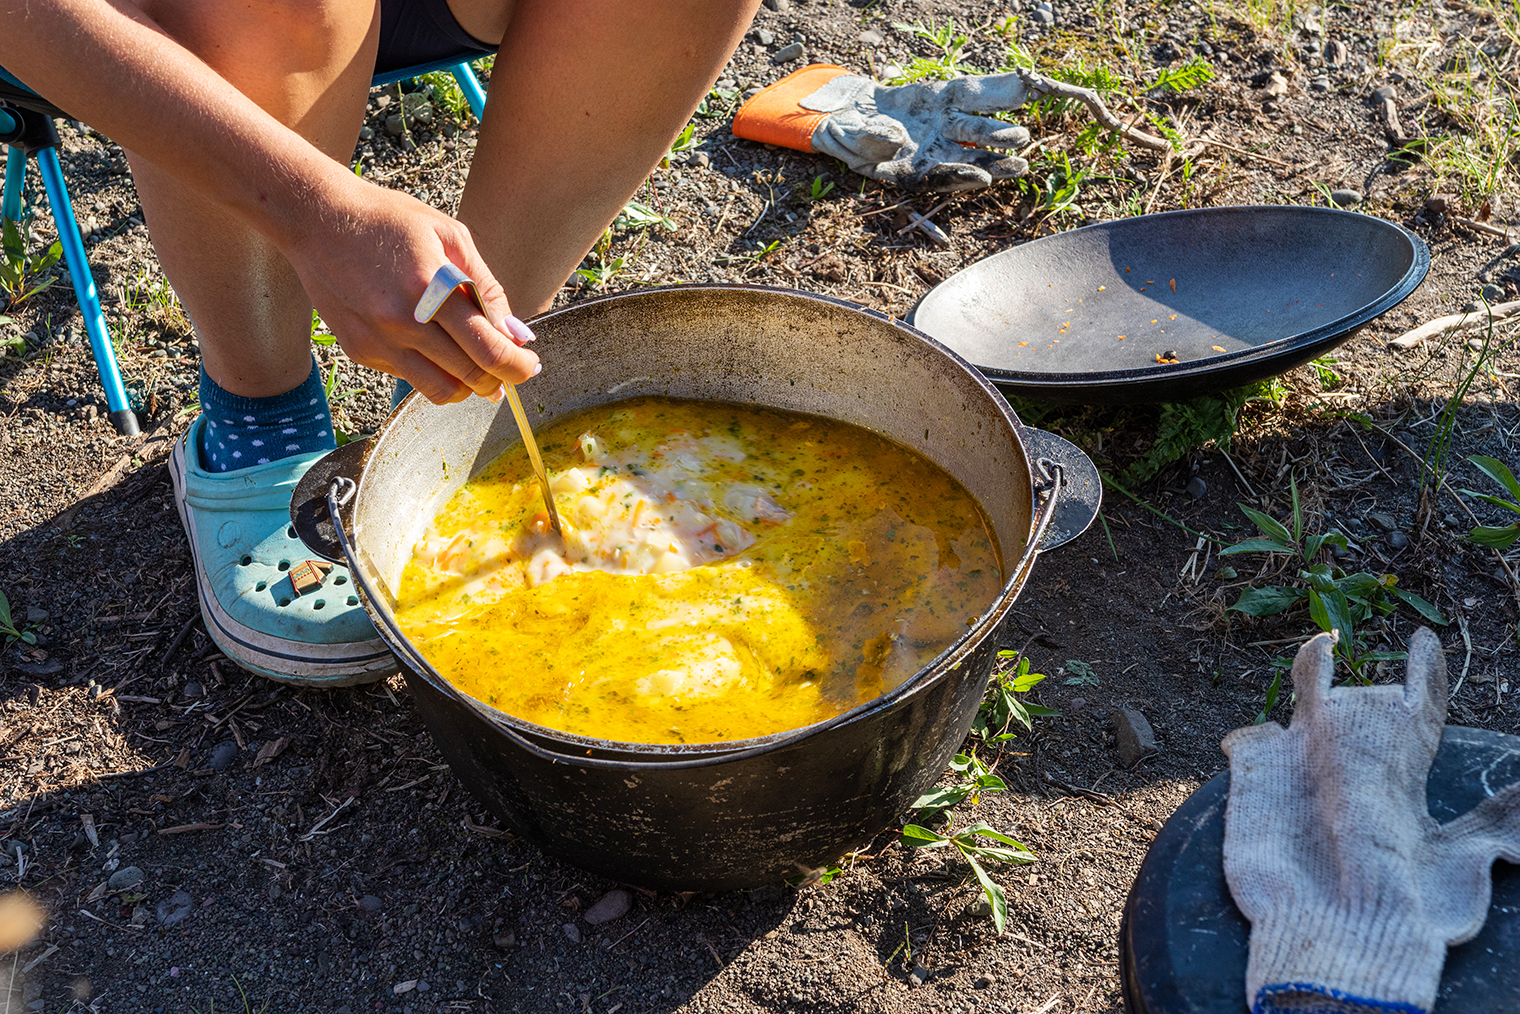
[(445, 281)]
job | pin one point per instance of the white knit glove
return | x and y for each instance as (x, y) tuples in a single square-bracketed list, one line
[(1353, 891), (908, 135)]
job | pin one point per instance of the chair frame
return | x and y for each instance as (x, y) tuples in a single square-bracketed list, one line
[(27, 127)]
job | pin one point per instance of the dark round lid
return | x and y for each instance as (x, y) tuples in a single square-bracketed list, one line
[(1184, 942)]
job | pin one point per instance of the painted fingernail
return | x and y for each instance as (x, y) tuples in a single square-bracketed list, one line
[(538, 368), (520, 331), (497, 394)]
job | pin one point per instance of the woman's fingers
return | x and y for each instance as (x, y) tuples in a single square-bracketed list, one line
[(477, 352)]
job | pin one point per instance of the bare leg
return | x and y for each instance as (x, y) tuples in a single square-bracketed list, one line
[(585, 100), (309, 65)]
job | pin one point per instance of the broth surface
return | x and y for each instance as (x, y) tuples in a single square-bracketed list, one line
[(726, 572)]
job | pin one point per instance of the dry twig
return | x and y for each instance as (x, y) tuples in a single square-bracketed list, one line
[(1453, 322)]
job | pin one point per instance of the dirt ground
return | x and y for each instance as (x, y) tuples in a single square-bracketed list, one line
[(204, 839)]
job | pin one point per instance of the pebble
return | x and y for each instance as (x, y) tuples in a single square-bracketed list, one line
[(1043, 16), (1383, 521), (612, 905), (222, 755), (1133, 736), (572, 932), (366, 132), (370, 903), (1320, 83), (395, 124), (1277, 85), (787, 54), (1346, 198), (700, 159), (1196, 487), (35, 614), (125, 878), (1440, 204), (1336, 52), (779, 5), (1493, 293), (192, 691), (919, 975), (872, 38), (1397, 540), (1385, 93), (175, 909), (983, 981), (765, 38), (505, 939)]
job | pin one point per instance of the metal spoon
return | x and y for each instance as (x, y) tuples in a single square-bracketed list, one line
[(445, 281)]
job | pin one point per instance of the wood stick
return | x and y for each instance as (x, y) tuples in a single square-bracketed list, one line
[(1044, 87), (1453, 322)]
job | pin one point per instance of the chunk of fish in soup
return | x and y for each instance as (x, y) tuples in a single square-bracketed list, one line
[(725, 572)]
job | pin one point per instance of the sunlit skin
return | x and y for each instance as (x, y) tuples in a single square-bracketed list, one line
[(726, 572)]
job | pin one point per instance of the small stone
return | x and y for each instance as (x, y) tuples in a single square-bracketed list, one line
[(612, 905), (222, 755), (871, 38), (370, 903), (700, 159), (382, 101), (125, 879), (1043, 16), (1277, 85), (1440, 204), (404, 987), (983, 981), (1397, 540), (504, 939), (35, 614), (786, 54), (395, 124), (175, 909), (779, 5), (1346, 198), (1133, 736), (1493, 293), (1196, 487), (1320, 83), (918, 976), (572, 932), (423, 986), (1336, 53), (366, 132), (764, 37), (192, 691), (1383, 521), (1385, 93)]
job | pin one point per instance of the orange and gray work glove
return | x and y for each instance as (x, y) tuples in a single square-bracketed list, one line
[(913, 136), (1353, 890)]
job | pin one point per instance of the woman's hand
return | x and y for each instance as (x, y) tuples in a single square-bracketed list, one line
[(365, 261)]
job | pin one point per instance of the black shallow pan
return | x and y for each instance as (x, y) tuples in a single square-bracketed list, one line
[(1233, 295)]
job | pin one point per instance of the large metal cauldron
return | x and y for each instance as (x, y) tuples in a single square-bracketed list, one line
[(726, 815)]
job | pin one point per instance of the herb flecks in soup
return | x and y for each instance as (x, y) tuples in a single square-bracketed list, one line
[(725, 572)]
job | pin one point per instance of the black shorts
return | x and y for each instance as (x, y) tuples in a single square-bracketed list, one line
[(417, 32)]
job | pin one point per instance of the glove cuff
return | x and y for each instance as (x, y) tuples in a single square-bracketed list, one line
[(775, 115), (1304, 998), (1364, 954)]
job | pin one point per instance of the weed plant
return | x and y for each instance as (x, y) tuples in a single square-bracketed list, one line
[(8, 628), (1496, 537), (21, 270)]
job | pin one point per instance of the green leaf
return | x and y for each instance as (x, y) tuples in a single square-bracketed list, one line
[(1256, 546), (29, 637), (984, 829), (995, 897), (1267, 601), (1499, 538), (1271, 528), (1496, 501), (1499, 472), (1331, 612), (5, 607), (922, 837), (1298, 512), (53, 255), (1421, 606), (1315, 543), (939, 800)]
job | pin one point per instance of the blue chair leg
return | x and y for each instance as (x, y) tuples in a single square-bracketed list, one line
[(15, 183), (470, 85), (122, 416)]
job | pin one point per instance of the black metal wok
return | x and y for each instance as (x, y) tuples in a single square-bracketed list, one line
[(1228, 296), (724, 815)]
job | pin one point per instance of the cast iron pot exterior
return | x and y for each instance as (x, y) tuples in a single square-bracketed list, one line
[(727, 815)]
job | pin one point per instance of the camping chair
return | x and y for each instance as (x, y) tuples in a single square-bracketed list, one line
[(26, 126)]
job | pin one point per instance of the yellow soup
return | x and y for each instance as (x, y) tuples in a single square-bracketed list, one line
[(725, 572)]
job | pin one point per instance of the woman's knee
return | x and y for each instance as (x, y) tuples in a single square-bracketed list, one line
[(262, 46)]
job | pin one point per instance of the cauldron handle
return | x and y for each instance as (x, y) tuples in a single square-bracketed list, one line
[(1081, 489)]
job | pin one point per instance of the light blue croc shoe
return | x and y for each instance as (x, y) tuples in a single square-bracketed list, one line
[(243, 547)]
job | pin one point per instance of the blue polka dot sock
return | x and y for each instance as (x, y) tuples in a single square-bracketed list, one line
[(244, 432)]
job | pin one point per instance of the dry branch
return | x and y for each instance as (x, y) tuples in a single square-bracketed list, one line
[(1453, 322), (1089, 98)]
